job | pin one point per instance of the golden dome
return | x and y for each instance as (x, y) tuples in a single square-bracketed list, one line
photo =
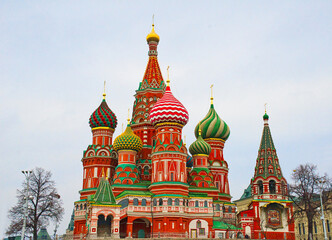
[(152, 36)]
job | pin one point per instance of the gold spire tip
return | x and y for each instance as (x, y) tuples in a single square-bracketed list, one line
[(152, 20), (265, 107), (128, 119), (211, 98), (167, 76), (104, 93)]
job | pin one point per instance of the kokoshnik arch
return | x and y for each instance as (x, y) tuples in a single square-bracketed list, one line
[(145, 183)]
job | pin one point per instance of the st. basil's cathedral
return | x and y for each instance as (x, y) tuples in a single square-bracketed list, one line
[(145, 184)]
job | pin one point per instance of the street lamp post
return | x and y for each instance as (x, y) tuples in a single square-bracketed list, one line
[(27, 175), (322, 210)]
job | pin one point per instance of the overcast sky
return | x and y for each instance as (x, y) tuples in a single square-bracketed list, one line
[(55, 55)]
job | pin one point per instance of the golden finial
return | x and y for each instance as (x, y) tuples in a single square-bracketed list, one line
[(211, 94), (265, 107), (104, 94), (152, 20), (128, 119), (168, 76), (122, 128), (184, 140), (199, 128)]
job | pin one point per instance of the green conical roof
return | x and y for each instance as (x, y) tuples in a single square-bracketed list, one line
[(128, 140), (43, 235), (200, 147), (267, 162), (104, 194), (213, 126)]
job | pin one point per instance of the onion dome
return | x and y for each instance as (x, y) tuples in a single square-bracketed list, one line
[(190, 161), (128, 140), (152, 36), (200, 146), (103, 117), (265, 117), (169, 109), (213, 126)]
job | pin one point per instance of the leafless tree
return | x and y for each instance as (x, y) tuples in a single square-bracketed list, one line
[(305, 192), (44, 204)]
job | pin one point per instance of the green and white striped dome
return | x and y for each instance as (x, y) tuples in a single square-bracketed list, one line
[(213, 126), (200, 147)]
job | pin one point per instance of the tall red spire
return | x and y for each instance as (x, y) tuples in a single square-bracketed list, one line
[(150, 90)]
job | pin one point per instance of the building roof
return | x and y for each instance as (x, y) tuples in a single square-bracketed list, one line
[(224, 226), (43, 235), (104, 194), (246, 193), (103, 117), (267, 162), (213, 126)]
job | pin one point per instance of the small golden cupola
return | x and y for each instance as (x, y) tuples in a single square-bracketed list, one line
[(152, 36)]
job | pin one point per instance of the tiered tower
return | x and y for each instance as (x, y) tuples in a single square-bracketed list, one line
[(200, 175), (215, 132), (150, 90), (169, 155), (127, 145), (99, 159), (264, 208)]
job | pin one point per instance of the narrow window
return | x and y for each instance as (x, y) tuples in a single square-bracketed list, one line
[(315, 227), (303, 228), (169, 202), (328, 225), (143, 202), (198, 224), (135, 203), (260, 187), (160, 202), (205, 203), (196, 203), (299, 228), (272, 186), (172, 177)]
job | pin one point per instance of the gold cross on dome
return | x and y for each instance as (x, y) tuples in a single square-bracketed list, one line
[(211, 93), (104, 94)]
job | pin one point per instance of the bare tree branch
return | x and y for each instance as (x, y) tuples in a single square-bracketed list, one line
[(44, 205)]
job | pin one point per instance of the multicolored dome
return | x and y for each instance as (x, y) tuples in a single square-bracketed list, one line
[(213, 126), (103, 117), (168, 109), (128, 140), (200, 147), (152, 36), (190, 161)]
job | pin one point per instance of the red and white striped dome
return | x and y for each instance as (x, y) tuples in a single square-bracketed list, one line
[(168, 109)]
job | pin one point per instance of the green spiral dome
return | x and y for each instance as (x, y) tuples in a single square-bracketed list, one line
[(200, 147), (128, 140), (213, 126)]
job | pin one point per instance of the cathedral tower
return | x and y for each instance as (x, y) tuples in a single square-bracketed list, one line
[(215, 132), (150, 90), (169, 155), (99, 158)]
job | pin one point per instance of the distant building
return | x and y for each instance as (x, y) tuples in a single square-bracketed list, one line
[(264, 210), (301, 225), (43, 235)]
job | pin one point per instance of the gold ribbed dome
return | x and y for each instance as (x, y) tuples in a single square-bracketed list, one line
[(152, 36)]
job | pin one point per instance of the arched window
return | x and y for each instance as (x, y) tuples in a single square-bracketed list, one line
[(169, 202), (177, 202), (229, 209), (124, 203), (218, 207), (272, 186), (135, 202), (160, 202), (154, 202), (205, 204), (260, 187), (196, 204), (146, 170), (143, 202), (81, 207), (198, 224)]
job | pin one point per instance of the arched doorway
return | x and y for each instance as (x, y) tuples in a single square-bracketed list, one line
[(104, 226), (123, 228), (141, 228)]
